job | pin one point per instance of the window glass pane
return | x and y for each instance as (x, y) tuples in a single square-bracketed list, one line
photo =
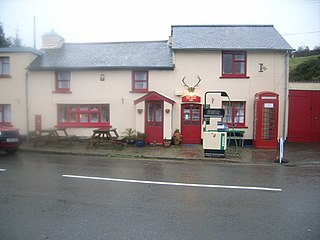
[(195, 114), (240, 56), (63, 84), (62, 116), (227, 63), (73, 118), (63, 76), (150, 112), (83, 118), (83, 108), (186, 113), (239, 68), (140, 76), (158, 113), (6, 69), (4, 65), (93, 108), (7, 113), (104, 114), (1, 113), (140, 85), (94, 117)]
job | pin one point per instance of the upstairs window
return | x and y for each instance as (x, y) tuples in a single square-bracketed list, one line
[(140, 81), (4, 67), (63, 81), (235, 115), (234, 64)]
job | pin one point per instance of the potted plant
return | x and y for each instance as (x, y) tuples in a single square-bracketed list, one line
[(177, 137), (166, 142), (140, 139), (130, 135)]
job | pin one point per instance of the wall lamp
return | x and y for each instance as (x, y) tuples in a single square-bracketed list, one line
[(102, 77)]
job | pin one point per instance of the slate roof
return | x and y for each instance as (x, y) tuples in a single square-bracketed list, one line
[(119, 55), (227, 37), (19, 50)]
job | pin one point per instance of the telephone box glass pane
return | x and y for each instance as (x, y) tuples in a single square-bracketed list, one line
[(268, 124)]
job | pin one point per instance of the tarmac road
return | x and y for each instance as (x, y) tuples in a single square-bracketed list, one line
[(73, 197)]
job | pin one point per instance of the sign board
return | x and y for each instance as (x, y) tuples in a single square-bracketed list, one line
[(268, 105), (191, 98), (213, 112)]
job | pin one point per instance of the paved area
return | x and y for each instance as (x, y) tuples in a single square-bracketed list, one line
[(295, 153)]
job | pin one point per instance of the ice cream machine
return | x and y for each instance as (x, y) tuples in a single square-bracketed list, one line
[(214, 131)]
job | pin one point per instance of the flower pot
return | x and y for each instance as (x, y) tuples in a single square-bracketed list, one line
[(140, 143)]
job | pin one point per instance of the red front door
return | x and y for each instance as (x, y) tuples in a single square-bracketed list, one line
[(191, 123), (154, 121)]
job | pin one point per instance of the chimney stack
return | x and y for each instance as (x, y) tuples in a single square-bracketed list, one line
[(52, 40)]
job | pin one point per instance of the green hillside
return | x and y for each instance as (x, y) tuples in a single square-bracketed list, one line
[(304, 69)]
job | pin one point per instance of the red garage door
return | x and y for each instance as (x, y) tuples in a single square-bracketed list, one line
[(304, 116)]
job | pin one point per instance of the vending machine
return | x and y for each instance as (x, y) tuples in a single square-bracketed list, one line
[(265, 124), (214, 131)]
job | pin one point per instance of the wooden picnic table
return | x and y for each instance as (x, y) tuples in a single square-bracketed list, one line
[(56, 135), (104, 135)]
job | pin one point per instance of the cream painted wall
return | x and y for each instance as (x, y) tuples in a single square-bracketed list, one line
[(304, 86), (208, 66), (13, 89)]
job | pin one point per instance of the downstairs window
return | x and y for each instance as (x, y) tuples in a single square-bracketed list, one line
[(83, 115)]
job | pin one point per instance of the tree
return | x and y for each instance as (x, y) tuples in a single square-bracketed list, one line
[(3, 40), (15, 41)]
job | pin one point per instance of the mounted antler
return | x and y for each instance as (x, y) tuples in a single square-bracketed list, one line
[(191, 89), (198, 81), (184, 82)]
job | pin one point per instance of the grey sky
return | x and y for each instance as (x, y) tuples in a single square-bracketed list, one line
[(141, 20)]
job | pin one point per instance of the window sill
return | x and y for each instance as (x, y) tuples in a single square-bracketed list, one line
[(238, 127), (235, 76), (83, 125), (5, 76), (62, 91), (139, 91), (6, 124)]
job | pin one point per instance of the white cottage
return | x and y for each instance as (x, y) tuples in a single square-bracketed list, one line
[(139, 85)]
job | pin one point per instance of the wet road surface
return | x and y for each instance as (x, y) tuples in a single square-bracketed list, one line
[(122, 199)]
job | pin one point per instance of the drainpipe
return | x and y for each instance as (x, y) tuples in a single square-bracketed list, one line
[(285, 96), (27, 102)]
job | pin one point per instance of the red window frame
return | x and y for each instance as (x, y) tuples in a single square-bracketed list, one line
[(136, 80), (234, 63), (62, 79), (4, 67), (238, 109), (83, 115)]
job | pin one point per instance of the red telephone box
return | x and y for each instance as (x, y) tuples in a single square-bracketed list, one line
[(265, 124)]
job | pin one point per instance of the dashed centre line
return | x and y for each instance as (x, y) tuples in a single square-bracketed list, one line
[(3, 170), (174, 183)]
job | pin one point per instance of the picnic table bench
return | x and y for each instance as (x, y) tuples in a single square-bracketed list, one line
[(105, 135), (56, 135)]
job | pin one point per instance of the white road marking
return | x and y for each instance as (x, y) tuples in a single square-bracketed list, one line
[(174, 183), (3, 170)]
